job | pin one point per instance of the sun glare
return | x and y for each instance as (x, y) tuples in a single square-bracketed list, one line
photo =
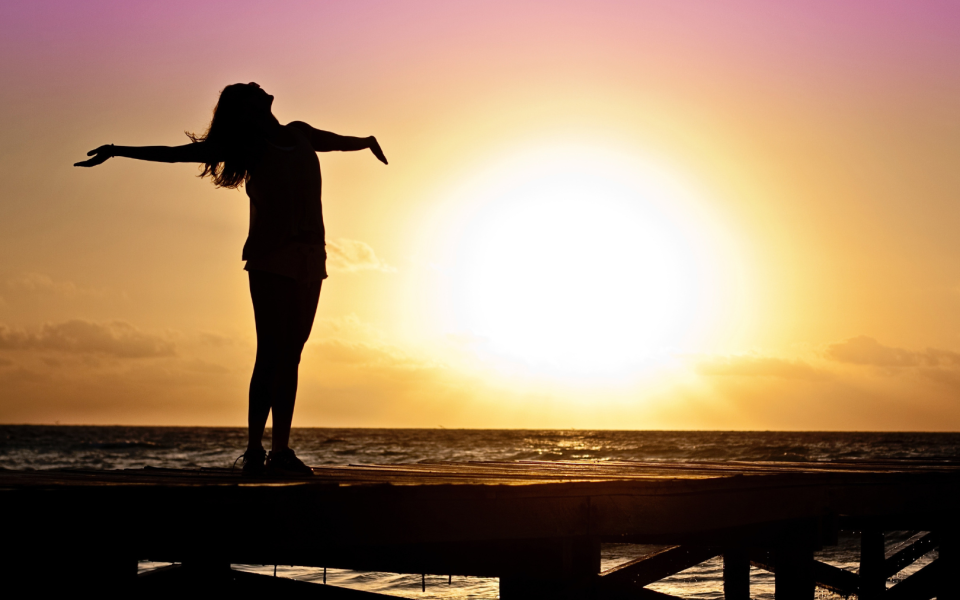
[(577, 266)]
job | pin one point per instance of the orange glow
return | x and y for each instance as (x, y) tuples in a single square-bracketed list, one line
[(615, 215)]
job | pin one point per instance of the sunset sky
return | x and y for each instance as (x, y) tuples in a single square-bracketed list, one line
[(636, 215)]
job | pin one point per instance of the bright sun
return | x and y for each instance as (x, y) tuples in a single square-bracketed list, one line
[(578, 268)]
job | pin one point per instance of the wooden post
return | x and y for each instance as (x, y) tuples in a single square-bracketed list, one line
[(949, 559), (736, 574), (574, 572), (793, 579), (873, 582)]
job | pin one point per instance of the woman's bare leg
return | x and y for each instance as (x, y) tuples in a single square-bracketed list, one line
[(284, 310), (259, 409), (285, 394)]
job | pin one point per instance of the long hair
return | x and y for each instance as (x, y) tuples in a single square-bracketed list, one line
[(232, 132)]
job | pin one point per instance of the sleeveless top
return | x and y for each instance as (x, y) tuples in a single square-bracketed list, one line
[(286, 216)]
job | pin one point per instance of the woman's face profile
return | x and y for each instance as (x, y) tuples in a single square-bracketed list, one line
[(258, 99)]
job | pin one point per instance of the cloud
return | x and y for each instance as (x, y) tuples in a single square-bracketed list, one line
[(38, 283), (215, 339), (366, 355), (348, 327), (863, 350), (353, 255), (197, 365), (759, 366), (941, 367), (115, 338)]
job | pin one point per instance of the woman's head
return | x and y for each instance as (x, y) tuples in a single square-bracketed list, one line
[(237, 131), (244, 102)]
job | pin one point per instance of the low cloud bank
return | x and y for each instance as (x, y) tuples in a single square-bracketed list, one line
[(759, 366), (38, 283), (353, 255), (863, 350), (115, 338)]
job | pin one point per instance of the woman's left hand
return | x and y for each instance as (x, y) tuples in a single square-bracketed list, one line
[(100, 155)]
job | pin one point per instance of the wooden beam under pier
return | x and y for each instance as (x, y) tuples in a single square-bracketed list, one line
[(922, 585), (909, 551), (825, 576), (654, 567)]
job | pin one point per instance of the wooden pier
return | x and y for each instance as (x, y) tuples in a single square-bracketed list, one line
[(537, 526)]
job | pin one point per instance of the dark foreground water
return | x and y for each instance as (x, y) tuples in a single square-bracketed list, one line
[(49, 447)]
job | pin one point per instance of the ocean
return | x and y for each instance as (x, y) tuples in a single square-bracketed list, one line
[(88, 447)]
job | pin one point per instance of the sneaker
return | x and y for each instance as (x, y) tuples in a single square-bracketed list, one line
[(253, 462), (284, 463)]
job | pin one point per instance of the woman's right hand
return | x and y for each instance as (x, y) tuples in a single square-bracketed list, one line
[(100, 155), (374, 146)]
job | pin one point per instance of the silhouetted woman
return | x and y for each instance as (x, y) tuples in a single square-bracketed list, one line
[(286, 260)]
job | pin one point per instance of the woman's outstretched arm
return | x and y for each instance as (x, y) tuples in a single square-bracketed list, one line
[(198, 152), (324, 141)]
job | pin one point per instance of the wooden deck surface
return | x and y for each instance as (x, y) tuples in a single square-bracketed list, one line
[(495, 473)]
